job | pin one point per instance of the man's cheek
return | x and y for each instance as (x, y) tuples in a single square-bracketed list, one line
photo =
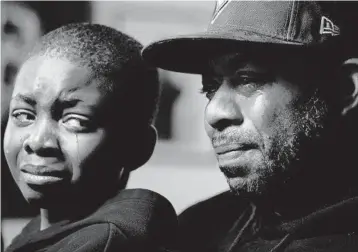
[(262, 113)]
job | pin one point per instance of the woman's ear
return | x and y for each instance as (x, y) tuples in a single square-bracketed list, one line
[(350, 72), (151, 142), (141, 148)]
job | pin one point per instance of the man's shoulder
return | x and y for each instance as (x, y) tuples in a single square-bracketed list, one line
[(223, 204), (205, 223)]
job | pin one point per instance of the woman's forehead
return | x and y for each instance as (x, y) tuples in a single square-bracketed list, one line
[(42, 73), (47, 80)]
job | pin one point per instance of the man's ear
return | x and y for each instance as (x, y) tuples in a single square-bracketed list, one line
[(141, 149), (350, 70)]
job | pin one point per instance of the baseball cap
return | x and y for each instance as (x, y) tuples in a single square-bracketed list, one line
[(247, 25)]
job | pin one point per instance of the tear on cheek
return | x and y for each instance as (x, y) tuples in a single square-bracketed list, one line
[(258, 108)]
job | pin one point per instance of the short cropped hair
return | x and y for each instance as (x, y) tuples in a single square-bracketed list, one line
[(111, 54)]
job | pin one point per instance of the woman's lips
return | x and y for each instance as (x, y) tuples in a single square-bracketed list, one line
[(40, 179), (42, 174)]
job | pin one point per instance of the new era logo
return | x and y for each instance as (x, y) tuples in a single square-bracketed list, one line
[(327, 27), (220, 5)]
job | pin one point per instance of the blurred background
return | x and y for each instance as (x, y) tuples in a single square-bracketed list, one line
[(183, 167)]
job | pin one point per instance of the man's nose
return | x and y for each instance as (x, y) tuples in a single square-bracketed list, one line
[(223, 109), (42, 140)]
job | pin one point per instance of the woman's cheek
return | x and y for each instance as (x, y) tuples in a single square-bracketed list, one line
[(80, 150)]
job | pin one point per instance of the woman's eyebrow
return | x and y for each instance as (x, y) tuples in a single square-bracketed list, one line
[(72, 101), (25, 98), (67, 102), (68, 98)]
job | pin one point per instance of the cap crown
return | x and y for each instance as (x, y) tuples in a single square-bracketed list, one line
[(292, 22)]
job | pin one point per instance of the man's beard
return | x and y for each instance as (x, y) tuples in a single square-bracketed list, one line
[(287, 150)]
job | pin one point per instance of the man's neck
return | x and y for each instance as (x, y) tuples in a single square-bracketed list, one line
[(310, 192)]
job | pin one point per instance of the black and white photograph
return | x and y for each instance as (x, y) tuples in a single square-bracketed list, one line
[(179, 126)]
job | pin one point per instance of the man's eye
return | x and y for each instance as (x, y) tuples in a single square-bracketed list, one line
[(23, 117), (247, 80), (210, 86), (77, 123), (208, 91), (248, 84)]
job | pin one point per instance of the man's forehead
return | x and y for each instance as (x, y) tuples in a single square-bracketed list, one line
[(233, 61)]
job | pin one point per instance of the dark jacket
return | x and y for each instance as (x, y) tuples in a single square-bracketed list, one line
[(134, 220), (231, 224)]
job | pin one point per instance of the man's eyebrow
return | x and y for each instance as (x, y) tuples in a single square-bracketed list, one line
[(235, 60), (28, 99), (207, 78)]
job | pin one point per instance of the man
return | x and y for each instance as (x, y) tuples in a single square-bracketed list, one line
[(281, 80), (75, 132)]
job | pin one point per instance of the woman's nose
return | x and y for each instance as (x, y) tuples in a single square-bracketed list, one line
[(42, 140)]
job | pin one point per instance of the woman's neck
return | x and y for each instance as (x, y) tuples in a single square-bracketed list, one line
[(67, 211), (49, 218)]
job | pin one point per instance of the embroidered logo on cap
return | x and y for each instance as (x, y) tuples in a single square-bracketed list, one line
[(220, 5), (327, 27)]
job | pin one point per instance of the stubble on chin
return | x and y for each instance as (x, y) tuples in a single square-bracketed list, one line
[(254, 182), (283, 153)]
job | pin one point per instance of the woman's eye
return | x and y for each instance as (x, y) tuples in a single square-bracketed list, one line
[(23, 117), (77, 122)]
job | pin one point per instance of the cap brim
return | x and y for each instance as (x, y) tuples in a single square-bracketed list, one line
[(190, 54)]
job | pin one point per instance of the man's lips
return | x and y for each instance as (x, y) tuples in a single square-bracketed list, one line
[(233, 158), (227, 148)]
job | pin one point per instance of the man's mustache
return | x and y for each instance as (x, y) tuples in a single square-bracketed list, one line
[(234, 136)]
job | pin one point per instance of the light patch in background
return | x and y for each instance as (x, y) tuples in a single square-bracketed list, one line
[(183, 176), (184, 168), (20, 29)]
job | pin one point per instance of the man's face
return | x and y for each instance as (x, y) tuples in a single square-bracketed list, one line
[(55, 142), (261, 113)]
